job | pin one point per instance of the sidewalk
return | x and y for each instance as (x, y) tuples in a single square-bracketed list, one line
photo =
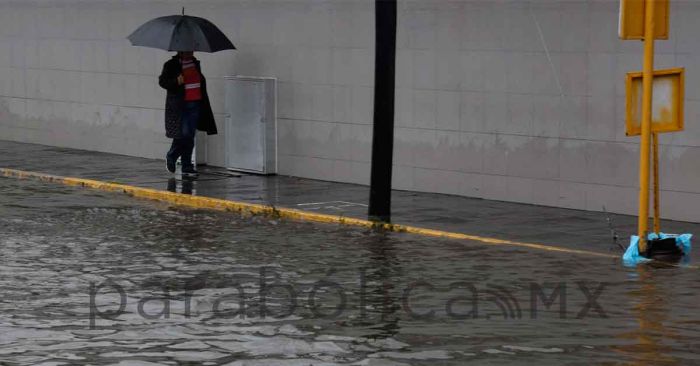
[(528, 223)]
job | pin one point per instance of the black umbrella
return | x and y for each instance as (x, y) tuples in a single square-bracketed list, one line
[(181, 33)]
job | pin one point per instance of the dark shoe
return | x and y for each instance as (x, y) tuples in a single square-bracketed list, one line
[(169, 164), (189, 171)]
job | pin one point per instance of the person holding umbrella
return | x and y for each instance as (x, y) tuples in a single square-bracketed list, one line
[(187, 107)]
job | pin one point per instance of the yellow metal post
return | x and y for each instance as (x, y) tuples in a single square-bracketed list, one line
[(657, 198), (648, 74)]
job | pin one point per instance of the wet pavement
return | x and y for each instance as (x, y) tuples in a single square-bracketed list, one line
[(97, 278), (529, 223)]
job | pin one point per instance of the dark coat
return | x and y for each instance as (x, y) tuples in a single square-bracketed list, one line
[(175, 100)]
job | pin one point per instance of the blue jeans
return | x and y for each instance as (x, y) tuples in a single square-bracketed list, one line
[(182, 147)]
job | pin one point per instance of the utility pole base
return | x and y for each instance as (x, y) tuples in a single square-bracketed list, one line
[(665, 250)]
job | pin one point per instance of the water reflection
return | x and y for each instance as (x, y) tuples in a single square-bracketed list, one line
[(650, 306), (382, 298), (186, 186)]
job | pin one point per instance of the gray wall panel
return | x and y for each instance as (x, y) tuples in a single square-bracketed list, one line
[(507, 100)]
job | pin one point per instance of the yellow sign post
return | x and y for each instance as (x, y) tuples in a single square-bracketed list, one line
[(647, 76), (655, 161), (667, 115), (654, 99)]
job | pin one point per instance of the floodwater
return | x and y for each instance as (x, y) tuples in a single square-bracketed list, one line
[(98, 278)]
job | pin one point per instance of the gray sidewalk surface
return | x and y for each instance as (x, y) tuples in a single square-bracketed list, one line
[(504, 220)]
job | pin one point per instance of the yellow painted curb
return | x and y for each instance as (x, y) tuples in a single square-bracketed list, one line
[(286, 213)]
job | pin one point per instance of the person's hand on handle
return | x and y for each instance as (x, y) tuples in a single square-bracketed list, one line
[(180, 80)]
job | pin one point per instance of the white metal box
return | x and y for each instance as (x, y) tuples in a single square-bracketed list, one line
[(251, 124)]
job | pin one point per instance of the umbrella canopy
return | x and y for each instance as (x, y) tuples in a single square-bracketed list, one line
[(181, 33)]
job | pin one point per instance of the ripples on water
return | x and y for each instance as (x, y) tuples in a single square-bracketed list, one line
[(57, 242)]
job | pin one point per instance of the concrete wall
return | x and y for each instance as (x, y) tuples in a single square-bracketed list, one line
[(509, 100)]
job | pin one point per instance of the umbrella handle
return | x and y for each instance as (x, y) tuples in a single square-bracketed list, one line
[(183, 10)]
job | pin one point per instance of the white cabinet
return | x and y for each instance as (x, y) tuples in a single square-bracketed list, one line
[(251, 124)]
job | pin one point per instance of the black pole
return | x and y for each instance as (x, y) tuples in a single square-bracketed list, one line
[(383, 134)]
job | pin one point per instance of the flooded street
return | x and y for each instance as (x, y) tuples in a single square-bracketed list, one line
[(98, 278)]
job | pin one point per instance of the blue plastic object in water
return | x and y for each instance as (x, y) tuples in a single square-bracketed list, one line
[(632, 257)]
